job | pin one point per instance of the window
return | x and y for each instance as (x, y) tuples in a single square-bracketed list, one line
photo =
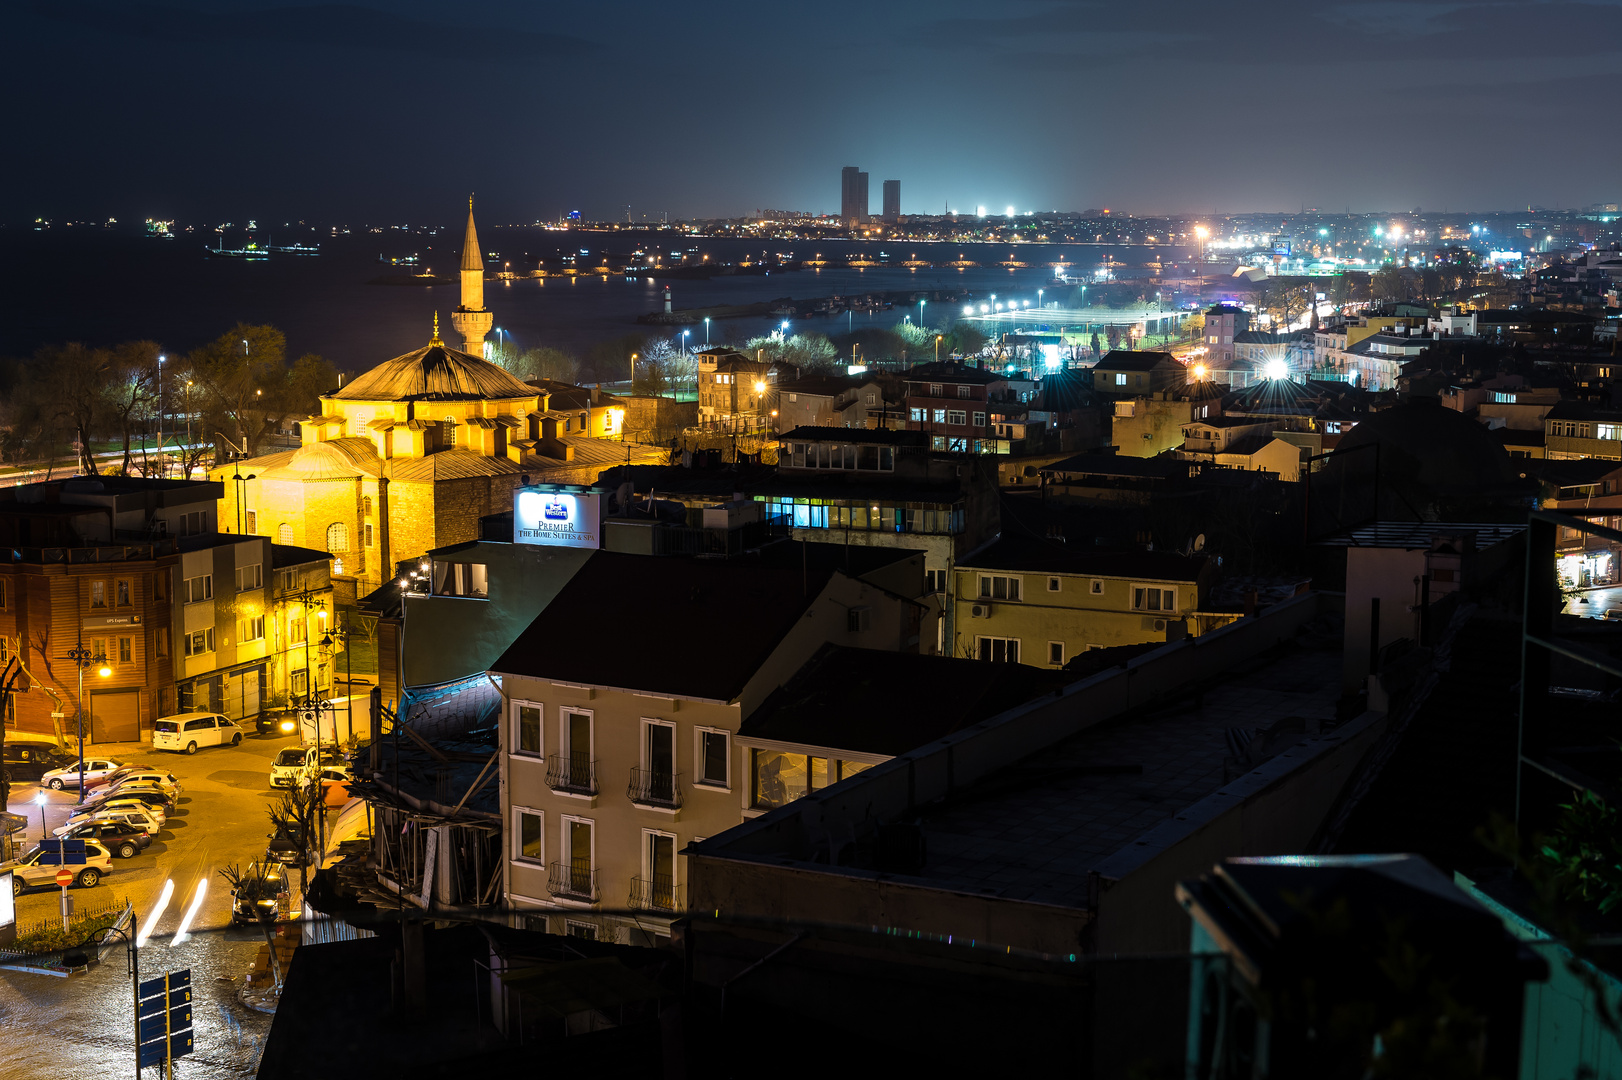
[(1153, 598), (300, 683), (999, 587), (462, 579), (584, 931), (979, 419), (251, 630), (121, 592), (284, 533), (1056, 653), (200, 643), (289, 581), (712, 758), (529, 835), (337, 537), (870, 399), (939, 416), (935, 581), (197, 589), (527, 735), (161, 642), (1120, 378), (250, 577), (1054, 584), (1610, 431), (658, 762), (858, 619), (447, 428), (580, 855), (126, 652), (575, 738), (848, 769), (193, 524), (366, 505), (659, 869), (2, 596), (98, 594), (368, 528), (298, 628), (962, 391), (251, 522), (338, 566), (997, 650), (956, 417), (934, 389), (779, 778), (1096, 587), (916, 415)]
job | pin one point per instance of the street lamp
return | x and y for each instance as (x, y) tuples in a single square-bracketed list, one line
[(240, 490), (633, 369), (921, 304), (40, 799), (937, 348), (684, 334), (161, 359), (706, 331), (83, 658), (1038, 297)]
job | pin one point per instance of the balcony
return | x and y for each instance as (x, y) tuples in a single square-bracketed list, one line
[(573, 774), (657, 894), (568, 881), (655, 788)]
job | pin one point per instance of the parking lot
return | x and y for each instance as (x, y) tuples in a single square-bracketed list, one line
[(220, 819)]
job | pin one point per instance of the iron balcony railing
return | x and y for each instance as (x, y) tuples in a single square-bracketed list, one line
[(657, 894), (571, 881), (655, 787), (574, 773)]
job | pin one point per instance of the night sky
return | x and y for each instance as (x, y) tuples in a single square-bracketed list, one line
[(392, 111)]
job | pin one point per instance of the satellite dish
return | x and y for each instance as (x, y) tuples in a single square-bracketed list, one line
[(1199, 542)]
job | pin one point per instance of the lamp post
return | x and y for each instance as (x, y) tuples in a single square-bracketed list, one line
[(632, 383), (706, 331), (241, 492), (161, 359), (1039, 297), (83, 658), (342, 634), (921, 304), (40, 799), (938, 348), (75, 956)]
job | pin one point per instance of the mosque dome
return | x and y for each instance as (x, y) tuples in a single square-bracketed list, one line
[(434, 373)]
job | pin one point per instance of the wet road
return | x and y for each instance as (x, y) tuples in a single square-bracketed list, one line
[(83, 1026), (1599, 601)]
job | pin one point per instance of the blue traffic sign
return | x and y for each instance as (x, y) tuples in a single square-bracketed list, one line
[(154, 987), (152, 1054), (62, 852)]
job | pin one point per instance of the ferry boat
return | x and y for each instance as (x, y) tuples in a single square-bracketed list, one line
[(252, 252)]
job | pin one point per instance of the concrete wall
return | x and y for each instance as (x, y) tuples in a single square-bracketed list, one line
[(752, 863), (1387, 573)]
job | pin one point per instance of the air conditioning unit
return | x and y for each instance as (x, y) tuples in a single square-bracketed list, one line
[(980, 611), (1160, 626)]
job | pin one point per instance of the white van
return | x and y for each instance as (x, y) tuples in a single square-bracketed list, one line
[(189, 731)]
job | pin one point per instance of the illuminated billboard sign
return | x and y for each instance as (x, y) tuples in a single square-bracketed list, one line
[(1505, 256), (557, 518)]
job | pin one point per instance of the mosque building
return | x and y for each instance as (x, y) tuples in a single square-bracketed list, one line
[(407, 457)]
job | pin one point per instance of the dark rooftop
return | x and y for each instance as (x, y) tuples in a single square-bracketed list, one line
[(875, 702), (1128, 360), (877, 436), (287, 555), (1096, 464), (1041, 556), (693, 628)]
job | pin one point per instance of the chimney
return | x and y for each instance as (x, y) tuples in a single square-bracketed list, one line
[(552, 446)]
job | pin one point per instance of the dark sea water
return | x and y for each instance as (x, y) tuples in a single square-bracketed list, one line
[(103, 286)]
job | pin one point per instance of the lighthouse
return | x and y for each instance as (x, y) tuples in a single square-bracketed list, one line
[(667, 299)]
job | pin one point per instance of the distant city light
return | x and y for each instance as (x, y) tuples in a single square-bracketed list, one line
[(980, 211), (968, 309), (1010, 212)]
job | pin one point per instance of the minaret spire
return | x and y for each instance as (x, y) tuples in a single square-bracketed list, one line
[(471, 319)]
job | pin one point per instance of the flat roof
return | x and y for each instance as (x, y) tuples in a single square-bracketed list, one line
[(1050, 557), (1419, 534)]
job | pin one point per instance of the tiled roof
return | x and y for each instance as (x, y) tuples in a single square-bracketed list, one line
[(434, 373)]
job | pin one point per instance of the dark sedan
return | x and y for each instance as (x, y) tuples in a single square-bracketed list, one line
[(119, 838)]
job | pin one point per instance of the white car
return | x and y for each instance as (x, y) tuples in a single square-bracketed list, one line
[(300, 764), (104, 806), (189, 732), (157, 778), (141, 819), (29, 872), (68, 777)]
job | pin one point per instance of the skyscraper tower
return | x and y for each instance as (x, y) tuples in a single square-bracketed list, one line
[(852, 195), (471, 319), (892, 200)]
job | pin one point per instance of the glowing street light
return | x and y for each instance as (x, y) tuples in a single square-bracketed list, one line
[(706, 331)]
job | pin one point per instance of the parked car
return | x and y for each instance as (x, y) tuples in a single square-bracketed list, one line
[(119, 837), (102, 806), (148, 793), (95, 770), (188, 732), (155, 777), (298, 764), (117, 775), (334, 781), (28, 872), (137, 817), (262, 883), (28, 761)]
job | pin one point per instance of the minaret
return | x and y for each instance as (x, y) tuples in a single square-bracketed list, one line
[(470, 318)]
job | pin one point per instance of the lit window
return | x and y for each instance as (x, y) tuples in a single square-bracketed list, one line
[(337, 537)]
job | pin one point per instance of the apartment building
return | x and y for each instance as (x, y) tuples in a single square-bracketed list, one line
[(1123, 373), (733, 391), (951, 403), (622, 703), (1041, 604), (1577, 429)]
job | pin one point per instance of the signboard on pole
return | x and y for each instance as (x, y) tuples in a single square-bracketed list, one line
[(62, 853), (163, 1020)]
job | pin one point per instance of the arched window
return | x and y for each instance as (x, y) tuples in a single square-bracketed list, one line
[(448, 428), (337, 537), (585, 423), (337, 566), (366, 504), (284, 533)]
